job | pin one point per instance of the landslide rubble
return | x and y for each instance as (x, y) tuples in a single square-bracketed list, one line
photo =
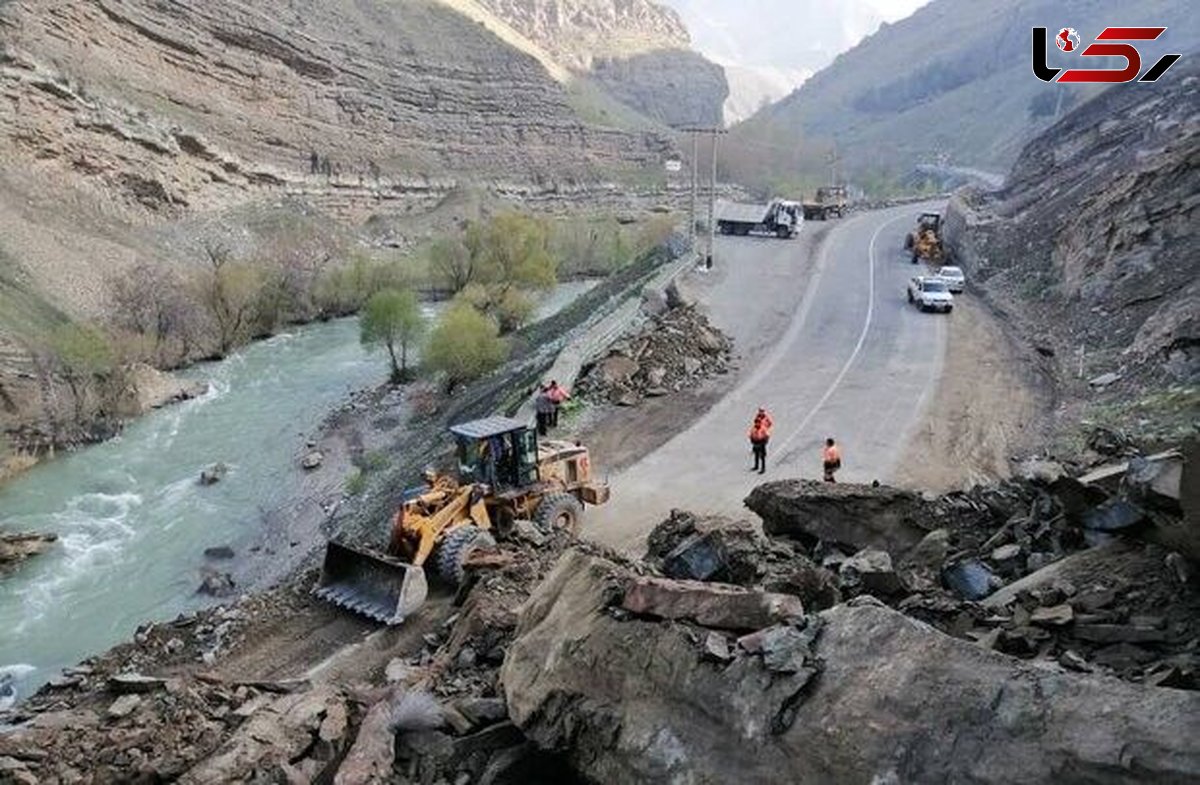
[(674, 349), (1043, 567), (858, 693), (1012, 633)]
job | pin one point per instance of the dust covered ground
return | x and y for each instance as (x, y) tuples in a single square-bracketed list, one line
[(993, 403)]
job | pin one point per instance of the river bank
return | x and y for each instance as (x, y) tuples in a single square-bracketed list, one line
[(138, 533)]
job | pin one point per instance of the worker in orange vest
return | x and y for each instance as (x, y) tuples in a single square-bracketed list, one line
[(831, 458), (760, 434)]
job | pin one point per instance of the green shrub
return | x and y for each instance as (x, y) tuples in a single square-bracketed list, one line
[(465, 344)]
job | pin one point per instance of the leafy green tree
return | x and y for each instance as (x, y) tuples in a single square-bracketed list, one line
[(516, 253), (393, 319), (508, 257), (465, 344)]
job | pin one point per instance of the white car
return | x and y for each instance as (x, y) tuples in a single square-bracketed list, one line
[(930, 293), (954, 278)]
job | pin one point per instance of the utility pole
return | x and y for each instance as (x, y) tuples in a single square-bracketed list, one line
[(696, 133), (712, 201), (695, 183)]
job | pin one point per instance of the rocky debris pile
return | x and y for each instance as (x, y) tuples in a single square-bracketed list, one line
[(858, 693), (675, 349), (17, 548), (713, 548), (1043, 566), (133, 728)]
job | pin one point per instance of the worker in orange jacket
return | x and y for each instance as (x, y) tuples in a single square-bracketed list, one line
[(831, 459), (760, 435)]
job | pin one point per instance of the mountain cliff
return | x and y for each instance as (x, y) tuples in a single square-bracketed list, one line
[(638, 51), (951, 84), (576, 32), (1091, 248)]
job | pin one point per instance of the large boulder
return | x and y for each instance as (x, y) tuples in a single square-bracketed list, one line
[(634, 701), (858, 516), (714, 548)]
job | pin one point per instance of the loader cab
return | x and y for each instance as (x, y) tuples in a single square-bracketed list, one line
[(930, 221), (498, 451)]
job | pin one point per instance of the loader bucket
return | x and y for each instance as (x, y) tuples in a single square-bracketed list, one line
[(379, 588)]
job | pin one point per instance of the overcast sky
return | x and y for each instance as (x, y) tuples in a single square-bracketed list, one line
[(785, 34), (769, 47)]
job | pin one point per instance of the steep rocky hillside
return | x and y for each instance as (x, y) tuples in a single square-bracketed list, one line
[(576, 32), (1091, 247), (952, 83), (130, 128), (637, 51)]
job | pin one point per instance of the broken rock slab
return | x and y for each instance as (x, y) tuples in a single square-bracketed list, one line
[(709, 604), (858, 516), (897, 702), (871, 571), (290, 732)]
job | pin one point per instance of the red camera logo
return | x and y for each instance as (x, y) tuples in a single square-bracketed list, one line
[(1068, 40)]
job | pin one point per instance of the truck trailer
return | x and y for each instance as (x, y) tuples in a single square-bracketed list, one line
[(830, 202), (780, 218)]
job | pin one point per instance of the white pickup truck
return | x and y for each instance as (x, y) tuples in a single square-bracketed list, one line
[(930, 293)]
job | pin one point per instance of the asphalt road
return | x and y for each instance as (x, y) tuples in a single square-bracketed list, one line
[(833, 349)]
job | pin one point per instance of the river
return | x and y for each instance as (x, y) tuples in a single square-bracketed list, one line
[(133, 520)]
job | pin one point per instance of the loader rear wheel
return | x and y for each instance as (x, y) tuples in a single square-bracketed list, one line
[(454, 549), (559, 511)]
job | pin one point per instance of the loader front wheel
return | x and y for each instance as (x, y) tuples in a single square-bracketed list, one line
[(559, 511), (454, 549)]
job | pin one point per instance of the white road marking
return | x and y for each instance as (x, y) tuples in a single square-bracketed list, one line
[(862, 339)]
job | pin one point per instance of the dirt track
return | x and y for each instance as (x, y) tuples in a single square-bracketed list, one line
[(830, 345)]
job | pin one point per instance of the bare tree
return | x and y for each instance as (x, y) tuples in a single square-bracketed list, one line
[(151, 301), (230, 293)]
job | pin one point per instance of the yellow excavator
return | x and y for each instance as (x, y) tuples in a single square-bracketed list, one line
[(925, 242), (504, 474)]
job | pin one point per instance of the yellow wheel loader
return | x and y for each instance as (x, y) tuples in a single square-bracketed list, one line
[(504, 474), (925, 242)]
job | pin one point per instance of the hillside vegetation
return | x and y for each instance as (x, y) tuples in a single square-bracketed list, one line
[(950, 85)]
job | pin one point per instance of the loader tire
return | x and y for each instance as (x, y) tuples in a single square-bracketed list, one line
[(559, 511), (908, 241), (453, 550)]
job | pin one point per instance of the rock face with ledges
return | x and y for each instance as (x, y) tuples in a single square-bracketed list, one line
[(173, 105), (1091, 245), (577, 31)]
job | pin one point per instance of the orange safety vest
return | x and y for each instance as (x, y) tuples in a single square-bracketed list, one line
[(761, 429)]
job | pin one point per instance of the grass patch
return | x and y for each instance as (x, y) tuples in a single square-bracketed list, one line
[(375, 461), (356, 483)]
